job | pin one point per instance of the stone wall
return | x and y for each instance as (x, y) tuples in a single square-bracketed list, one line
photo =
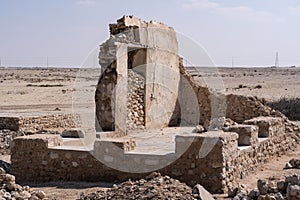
[(36, 123), (246, 161), (135, 101), (217, 170), (43, 162), (212, 104)]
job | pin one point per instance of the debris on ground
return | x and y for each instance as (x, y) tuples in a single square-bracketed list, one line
[(293, 164), (9, 190), (154, 186), (270, 189)]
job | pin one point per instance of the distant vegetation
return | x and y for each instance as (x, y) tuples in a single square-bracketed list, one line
[(290, 106)]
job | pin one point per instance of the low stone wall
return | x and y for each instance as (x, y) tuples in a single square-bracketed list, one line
[(246, 161), (217, 171), (41, 162), (37, 123)]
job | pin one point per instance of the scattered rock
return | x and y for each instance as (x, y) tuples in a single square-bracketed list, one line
[(270, 190), (229, 122), (9, 190), (199, 129), (57, 109), (293, 192), (4, 165), (201, 192), (262, 186), (214, 124), (293, 164)]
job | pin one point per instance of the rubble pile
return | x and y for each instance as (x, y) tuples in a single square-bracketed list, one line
[(288, 189), (10, 190), (154, 186)]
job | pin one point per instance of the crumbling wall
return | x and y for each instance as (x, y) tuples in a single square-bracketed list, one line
[(238, 108), (149, 45), (37, 123), (241, 108)]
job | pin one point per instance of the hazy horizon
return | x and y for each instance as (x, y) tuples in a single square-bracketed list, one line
[(233, 33)]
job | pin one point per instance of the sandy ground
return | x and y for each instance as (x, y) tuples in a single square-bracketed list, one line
[(27, 91), (44, 90), (274, 82)]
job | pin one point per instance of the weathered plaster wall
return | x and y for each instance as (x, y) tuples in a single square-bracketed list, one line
[(152, 47)]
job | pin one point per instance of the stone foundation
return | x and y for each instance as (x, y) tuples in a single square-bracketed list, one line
[(225, 163)]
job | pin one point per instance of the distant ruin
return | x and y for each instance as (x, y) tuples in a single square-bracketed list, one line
[(147, 108)]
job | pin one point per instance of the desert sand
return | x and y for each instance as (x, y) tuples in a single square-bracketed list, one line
[(51, 90)]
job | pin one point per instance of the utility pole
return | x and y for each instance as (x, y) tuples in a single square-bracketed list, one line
[(277, 60)]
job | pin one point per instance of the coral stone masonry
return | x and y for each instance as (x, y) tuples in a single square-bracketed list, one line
[(147, 106)]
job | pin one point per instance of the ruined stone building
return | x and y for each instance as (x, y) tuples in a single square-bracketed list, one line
[(147, 107)]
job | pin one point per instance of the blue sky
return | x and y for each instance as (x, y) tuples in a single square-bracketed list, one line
[(66, 31)]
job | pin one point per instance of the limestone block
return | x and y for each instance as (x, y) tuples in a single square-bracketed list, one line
[(72, 133)]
